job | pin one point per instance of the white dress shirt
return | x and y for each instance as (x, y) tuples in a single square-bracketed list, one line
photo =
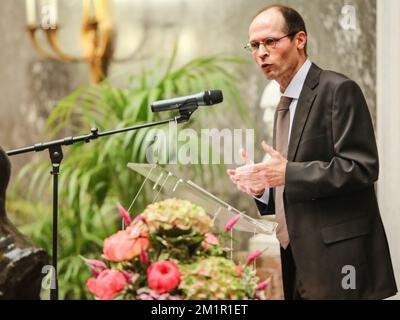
[(293, 91)]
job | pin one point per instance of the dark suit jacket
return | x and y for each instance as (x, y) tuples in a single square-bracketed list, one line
[(331, 209)]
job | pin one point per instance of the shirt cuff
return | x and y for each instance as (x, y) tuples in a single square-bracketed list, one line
[(264, 198)]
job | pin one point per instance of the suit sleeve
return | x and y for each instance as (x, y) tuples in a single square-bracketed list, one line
[(355, 162), (266, 208)]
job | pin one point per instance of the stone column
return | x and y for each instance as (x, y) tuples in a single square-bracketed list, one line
[(388, 123)]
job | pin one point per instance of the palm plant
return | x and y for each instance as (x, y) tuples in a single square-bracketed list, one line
[(94, 177)]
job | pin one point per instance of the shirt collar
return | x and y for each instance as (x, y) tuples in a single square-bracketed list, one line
[(296, 85)]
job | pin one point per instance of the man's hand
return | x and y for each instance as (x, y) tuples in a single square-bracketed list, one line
[(261, 176), (257, 192)]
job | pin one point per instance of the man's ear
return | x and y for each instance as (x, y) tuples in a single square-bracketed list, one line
[(301, 40)]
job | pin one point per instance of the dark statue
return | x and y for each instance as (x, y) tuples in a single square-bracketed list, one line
[(20, 262)]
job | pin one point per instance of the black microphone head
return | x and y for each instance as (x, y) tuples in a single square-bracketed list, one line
[(213, 97)]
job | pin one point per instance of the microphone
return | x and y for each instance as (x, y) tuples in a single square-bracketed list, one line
[(205, 98)]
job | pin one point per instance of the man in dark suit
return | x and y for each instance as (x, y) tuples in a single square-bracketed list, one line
[(319, 180)]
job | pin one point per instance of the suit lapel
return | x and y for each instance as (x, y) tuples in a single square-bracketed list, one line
[(306, 100)]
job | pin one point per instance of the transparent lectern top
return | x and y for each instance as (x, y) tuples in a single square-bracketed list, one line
[(221, 211)]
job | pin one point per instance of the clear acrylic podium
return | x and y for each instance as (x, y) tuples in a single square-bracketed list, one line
[(165, 184)]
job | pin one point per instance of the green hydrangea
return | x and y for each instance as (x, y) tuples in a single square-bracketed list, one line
[(217, 278), (175, 214)]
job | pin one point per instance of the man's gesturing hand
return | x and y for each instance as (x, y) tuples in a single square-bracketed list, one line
[(271, 172), (257, 177), (251, 190)]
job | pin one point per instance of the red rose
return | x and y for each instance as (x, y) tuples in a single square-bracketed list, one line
[(107, 284), (163, 276), (124, 245)]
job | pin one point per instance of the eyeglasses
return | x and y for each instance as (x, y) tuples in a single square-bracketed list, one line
[(268, 43)]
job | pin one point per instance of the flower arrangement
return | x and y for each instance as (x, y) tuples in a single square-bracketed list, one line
[(170, 252)]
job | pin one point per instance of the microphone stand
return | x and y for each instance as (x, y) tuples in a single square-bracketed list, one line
[(56, 156)]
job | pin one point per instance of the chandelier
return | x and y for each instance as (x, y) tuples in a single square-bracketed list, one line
[(97, 34)]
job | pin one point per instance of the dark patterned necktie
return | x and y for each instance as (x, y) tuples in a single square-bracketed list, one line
[(281, 137)]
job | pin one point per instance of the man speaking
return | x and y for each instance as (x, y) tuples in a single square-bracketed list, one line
[(319, 180)]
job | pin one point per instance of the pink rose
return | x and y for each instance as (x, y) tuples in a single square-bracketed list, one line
[(210, 239), (137, 230), (123, 246), (107, 284), (163, 276)]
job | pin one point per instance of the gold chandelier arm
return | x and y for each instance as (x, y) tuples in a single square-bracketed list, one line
[(53, 41), (106, 32), (43, 52), (97, 35)]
